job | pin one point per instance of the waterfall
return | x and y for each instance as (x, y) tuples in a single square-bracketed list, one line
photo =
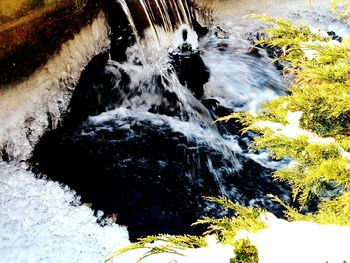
[(159, 15), (139, 145), (150, 137)]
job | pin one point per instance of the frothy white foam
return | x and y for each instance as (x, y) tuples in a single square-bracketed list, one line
[(206, 134)]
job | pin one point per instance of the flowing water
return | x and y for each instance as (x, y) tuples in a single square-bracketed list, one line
[(152, 157), (145, 152)]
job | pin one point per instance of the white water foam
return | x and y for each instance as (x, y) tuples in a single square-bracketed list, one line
[(207, 134)]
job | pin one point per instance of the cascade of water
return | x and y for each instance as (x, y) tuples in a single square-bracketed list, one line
[(151, 153), (160, 15), (154, 140), (127, 12)]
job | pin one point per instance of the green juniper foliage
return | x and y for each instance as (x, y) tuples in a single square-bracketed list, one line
[(319, 145), (245, 252), (342, 8), (164, 244), (321, 91), (225, 230)]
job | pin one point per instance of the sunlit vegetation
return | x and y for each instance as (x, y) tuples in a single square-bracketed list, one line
[(162, 244), (224, 230), (318, 141), (342, 8), (245, 252), (310, 125)]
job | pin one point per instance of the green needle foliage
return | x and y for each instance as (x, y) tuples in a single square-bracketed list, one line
[(245, 252), (164, 244), (342, 8), (319, 143), (225, 229)]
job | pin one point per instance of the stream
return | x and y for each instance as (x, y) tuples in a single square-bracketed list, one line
[(139, 147), (153, 154)]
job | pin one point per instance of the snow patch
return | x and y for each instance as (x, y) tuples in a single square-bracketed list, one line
[(281, 241), (310, 52), (302, 242), (42, 221), (346, 155), (292, 129)]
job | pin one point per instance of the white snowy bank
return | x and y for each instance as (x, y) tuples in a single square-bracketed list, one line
[(302, 242), (41, 222), (281, 242)]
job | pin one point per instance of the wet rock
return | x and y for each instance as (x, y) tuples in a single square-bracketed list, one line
[(101, 87), (220, 33), (199, 29), (122, 35), (272, 52), (137, 172), (190, 69), (334, 36)]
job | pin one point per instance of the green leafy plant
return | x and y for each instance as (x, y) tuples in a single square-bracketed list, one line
[(162, 244), (226, 228)]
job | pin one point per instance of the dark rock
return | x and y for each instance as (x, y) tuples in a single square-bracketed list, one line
[(101, 87), (272, 52), (199, 29), (334, 36), (122, 35), (190, 69), (150, 175), (220, 33)]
